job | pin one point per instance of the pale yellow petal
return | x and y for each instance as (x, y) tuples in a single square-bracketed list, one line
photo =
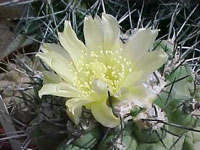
[(75, 118), (100, 92), (132, 79), (58, 62), (50, 77), (151, 62), (139, 43), (143, 96), (93, 33), (104, 115), (140, 95), (71, 43), (74, 108), (147, 65), (111, 32), (59, 89), (52, 47)]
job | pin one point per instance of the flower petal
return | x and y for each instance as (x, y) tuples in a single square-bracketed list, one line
[(111, 32), (59, 89), (145, 96), (148, 64), (93, 33), (141, 96), (75, 118), (131, 79), (58, 61), (151, 62), (103, 114), (50, 77), (139, 43), (71, 43), (100, 92), (52, 47), (74, 108)]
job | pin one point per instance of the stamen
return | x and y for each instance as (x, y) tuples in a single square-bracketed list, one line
[(112, 69)]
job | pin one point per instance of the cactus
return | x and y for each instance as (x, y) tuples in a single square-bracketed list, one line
[(117, 140), (88, 139), (168, 119), (168, 144)]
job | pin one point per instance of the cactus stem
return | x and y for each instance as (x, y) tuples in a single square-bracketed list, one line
[(175, 142), (195, 81), (106, 134), (172, 124), (177, 80), (176, 108), (157, 44), (170, 132), (166, 102), (160, 138), (179, 65)]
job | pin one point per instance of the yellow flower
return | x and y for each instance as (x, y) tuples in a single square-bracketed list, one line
[(88, 74)]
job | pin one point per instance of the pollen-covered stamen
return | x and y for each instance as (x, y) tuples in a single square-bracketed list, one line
[(107, 66), (117, 68)]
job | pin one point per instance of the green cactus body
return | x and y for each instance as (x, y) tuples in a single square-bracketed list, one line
[(166, 45), (148, 135), (197, 93), (192, 140), (196, 135), (181, 113), (152, 146), (179, 101), (63, 146), (188, 142), (89, 139), (181, 118), (181, 88), (168, 142), (183, 82), (128, 140), (146, 128), (105, 144), (164, 99)]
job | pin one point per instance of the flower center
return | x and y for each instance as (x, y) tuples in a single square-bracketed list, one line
[(108, 66)]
